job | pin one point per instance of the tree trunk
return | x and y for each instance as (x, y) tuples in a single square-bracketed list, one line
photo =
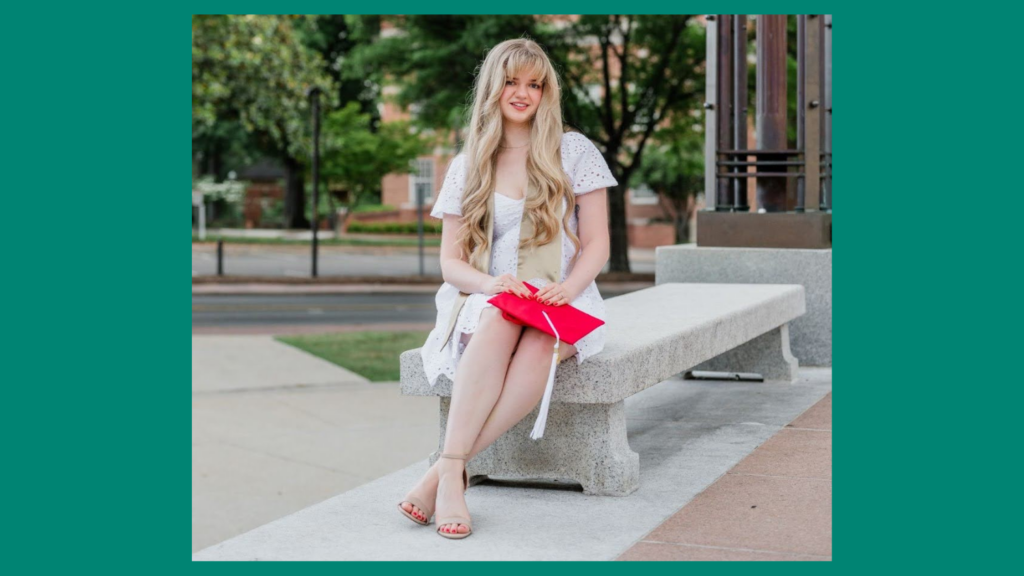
[(619, 258), (682, 229), (682, 219), (294, 195)]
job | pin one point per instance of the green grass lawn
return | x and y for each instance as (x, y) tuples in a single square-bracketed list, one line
[(373, 355)]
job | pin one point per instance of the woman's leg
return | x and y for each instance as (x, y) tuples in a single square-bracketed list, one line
[(478, 381), (524, 385)]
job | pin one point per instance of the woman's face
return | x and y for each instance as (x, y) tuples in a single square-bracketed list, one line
[(520, 98)]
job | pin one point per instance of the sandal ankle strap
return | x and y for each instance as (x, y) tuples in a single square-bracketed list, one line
[(455, 456)]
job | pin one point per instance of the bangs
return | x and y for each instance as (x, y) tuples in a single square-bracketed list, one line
[(526, 66)]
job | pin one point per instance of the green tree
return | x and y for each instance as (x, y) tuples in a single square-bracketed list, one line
[(659, 60), (335, 37), (623, 77), (673, 166), (432, 60), (355, 159), (254, 69)]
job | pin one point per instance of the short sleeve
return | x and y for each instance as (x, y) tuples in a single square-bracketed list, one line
[(584, 164), (449, 198)]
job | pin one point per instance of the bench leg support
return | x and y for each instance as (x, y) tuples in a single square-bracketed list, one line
[(768, 355), (582, 443)]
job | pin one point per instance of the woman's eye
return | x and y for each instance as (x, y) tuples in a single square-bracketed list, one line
[(508, 82), (535, 86)]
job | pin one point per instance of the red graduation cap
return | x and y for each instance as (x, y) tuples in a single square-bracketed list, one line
[(571, 323)]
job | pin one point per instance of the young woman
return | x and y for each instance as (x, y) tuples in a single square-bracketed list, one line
[(535, 187)]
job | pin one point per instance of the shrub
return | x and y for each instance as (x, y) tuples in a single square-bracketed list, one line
[(392, 227)]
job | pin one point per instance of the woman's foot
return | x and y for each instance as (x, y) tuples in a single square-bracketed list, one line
[(425, 491), (450, 494)]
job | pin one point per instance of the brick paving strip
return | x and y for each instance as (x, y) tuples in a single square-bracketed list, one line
[(775, 504)]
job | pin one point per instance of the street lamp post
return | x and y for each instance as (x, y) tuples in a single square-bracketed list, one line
[(314, 96)]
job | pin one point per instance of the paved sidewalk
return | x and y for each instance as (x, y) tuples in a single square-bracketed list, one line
[(275, 430), (776, 504), (689, 434)]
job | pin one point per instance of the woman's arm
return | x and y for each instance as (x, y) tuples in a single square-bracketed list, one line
[(454, 268), (593, 234), (457, 271)]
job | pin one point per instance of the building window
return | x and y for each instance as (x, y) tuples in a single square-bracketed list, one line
[(643, 194), (422, 179)]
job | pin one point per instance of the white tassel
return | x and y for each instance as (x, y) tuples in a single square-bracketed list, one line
[(542, 417)]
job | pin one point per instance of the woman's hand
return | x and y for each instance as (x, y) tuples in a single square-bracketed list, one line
[(553, 294), (507, 283)]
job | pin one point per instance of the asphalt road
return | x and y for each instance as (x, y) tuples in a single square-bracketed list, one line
[(294, 313)]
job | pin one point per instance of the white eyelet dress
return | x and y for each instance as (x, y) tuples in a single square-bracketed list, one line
[(588, 171)]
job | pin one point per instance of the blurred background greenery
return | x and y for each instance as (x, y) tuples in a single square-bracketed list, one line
[(396, 88)]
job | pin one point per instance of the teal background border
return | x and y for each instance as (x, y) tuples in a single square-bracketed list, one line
[(97, 304)]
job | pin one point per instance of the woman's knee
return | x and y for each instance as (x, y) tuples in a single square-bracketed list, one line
[(538, 343), (492, 321), (535, 341)]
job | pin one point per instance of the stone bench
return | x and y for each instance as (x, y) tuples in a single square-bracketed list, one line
[(652, 335)]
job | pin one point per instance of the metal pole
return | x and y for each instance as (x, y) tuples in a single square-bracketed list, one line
[(419, 222), (711, 117), (739, 107), (771, 107), (723, 189), (314, 95), (812, 112), (826, 128), (801, 101), (220, 257), (202, 220)]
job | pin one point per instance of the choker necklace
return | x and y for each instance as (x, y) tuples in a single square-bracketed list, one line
[(514, 147)]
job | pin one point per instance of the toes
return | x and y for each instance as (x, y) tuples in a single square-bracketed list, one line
[(407, 507), (463, 529)]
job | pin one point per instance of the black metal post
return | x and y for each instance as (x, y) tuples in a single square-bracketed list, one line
[(314, 95), (739, 107), (419, 223), (220, 257), (723, 186)]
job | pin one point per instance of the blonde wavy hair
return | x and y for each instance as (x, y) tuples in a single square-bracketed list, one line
[(524, 59)]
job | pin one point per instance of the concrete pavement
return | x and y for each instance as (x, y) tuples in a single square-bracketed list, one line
[(275, 430), (689, 434)]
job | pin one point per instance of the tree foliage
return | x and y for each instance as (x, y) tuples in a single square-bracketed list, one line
[(623, 76), (673, 167), (254, 68), (355, 158)]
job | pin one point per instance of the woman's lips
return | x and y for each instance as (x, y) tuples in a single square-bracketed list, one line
[(519, 106)]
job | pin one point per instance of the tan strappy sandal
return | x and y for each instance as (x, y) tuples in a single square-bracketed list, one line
[(456, 519), (427, 511)]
